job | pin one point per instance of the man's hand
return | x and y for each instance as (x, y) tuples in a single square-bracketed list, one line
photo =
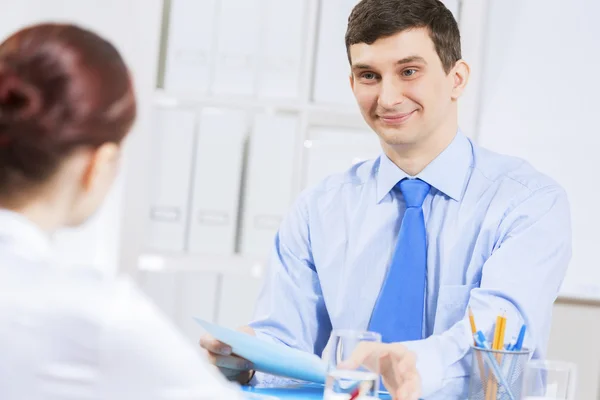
[(233, 367), (395, 363)]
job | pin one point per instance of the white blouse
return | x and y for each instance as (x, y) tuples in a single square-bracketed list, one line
[(74, 334)]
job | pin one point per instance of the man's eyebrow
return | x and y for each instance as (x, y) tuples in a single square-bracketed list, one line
[(361, 66), (411, 59), (405, 60)]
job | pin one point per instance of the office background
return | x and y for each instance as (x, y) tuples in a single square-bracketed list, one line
[(243, 103)]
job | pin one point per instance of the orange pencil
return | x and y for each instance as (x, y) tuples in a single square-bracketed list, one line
[(499, 346), (502, 333), (497, 330), (491, 383), (472, 321), (479, 359)]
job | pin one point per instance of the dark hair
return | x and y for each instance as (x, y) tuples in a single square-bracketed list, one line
[(61, 87), (374, 19)]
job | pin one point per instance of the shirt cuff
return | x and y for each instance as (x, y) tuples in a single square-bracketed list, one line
[(430, 363)]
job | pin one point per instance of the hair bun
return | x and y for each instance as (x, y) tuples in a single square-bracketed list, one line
[(19, 99)]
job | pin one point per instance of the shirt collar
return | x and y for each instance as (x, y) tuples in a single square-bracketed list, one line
[(447, 172), (23, 237)]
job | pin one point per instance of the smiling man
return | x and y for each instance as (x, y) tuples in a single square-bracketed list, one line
[(406, 243)]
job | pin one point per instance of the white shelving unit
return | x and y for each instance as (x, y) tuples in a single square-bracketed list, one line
[(309, 114)]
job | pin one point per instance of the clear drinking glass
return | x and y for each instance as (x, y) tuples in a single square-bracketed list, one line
[(343, 383), (550, 380)]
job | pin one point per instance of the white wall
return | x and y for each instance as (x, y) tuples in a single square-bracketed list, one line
[(540, 102)]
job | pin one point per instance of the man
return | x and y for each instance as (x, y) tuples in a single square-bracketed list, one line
[(406, 243)]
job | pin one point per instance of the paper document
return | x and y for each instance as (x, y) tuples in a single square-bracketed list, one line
[(272, 358)]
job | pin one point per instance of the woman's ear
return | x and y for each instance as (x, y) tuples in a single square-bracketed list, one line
[(102, 165)]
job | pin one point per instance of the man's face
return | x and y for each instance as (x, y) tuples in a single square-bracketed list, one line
[(401, 87)]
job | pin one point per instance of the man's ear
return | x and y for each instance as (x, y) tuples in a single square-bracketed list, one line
[(460, 77)]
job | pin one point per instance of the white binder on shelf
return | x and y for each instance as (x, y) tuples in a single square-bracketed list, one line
[(190, 46), (332, 69), (217, 178), (282, 43), (268, 188), (332, 150), (171, 168), (238, 37)]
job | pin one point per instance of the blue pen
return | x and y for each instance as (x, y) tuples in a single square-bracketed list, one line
[(519, 345), (481, 341), (511, 345)]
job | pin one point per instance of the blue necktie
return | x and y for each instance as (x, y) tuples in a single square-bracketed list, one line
[(398, 312)]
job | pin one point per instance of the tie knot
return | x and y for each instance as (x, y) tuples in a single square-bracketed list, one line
[(414, 191)]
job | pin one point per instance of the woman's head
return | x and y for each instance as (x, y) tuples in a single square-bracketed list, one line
[(66, 103)]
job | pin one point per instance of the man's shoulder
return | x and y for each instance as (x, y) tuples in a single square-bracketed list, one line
[(513, 173)]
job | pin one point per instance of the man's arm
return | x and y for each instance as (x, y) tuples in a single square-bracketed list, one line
[(522, 277)]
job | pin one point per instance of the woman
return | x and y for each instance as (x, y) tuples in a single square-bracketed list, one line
[(66, 103)]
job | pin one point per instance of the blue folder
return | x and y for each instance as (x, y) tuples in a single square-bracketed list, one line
[(272, 358)]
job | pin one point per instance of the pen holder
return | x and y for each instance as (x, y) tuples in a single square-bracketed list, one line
[(497, 374)]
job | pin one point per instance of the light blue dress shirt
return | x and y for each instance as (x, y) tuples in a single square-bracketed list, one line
[(499, 240)]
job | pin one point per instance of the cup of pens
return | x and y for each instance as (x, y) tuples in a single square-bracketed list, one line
[(497, 369), (497, 374)]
